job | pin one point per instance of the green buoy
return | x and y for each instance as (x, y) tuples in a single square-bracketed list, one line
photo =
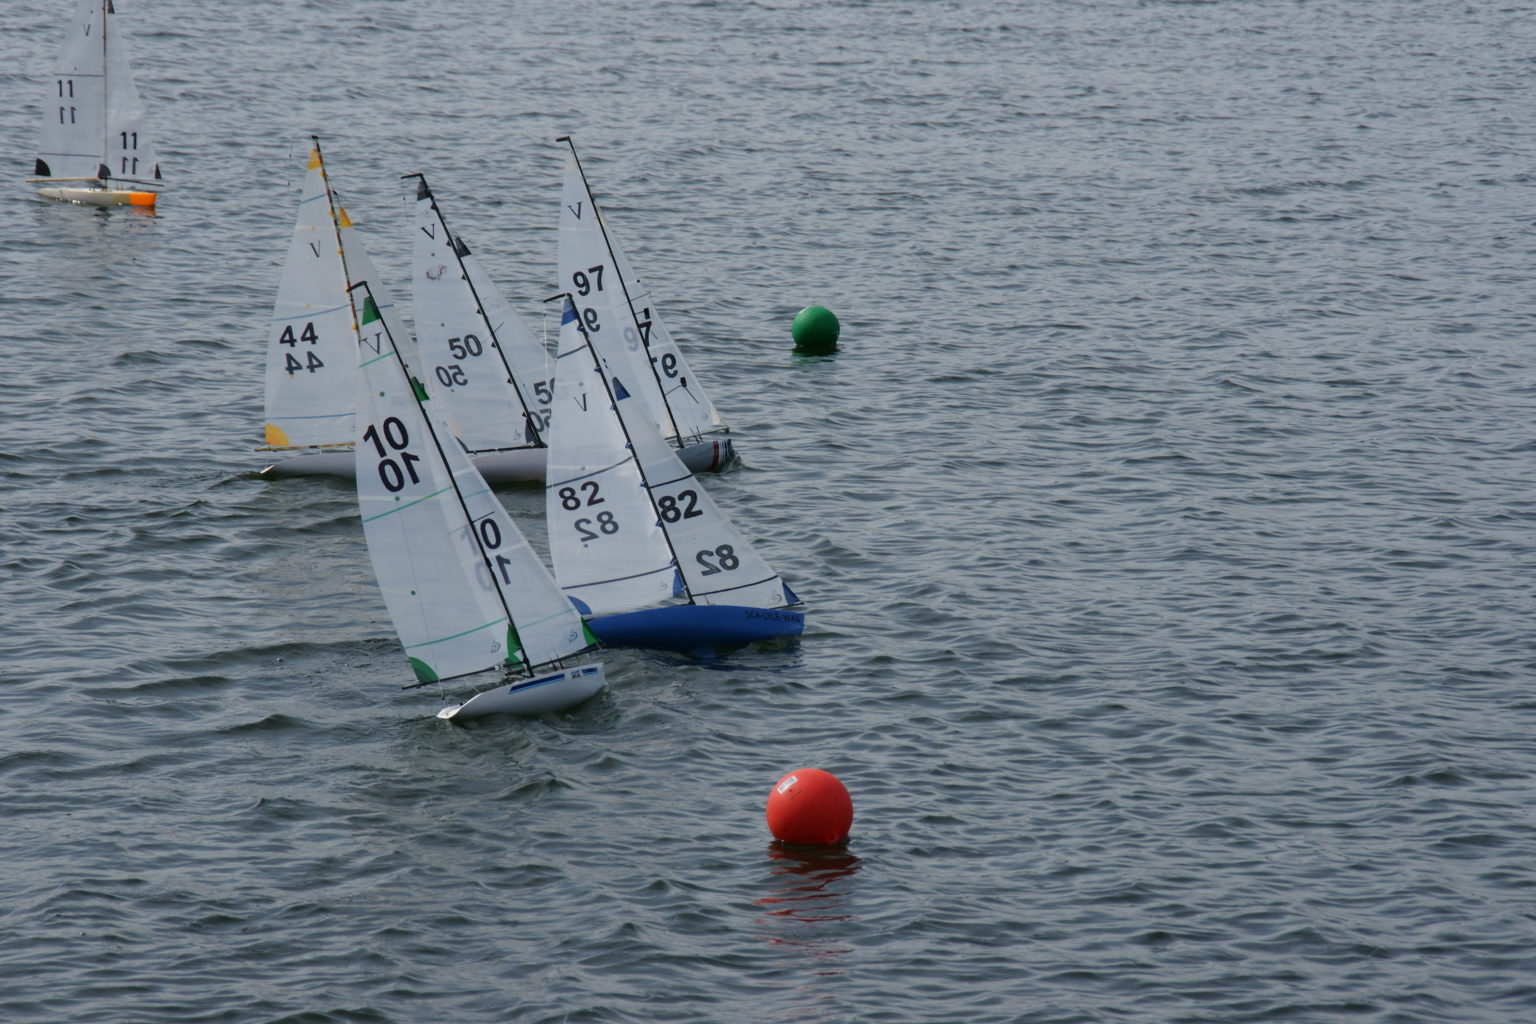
[(815, 330)]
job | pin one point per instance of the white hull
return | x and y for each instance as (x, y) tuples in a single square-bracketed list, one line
[(516, 466), (553, 692), (99, 196), (520, 465), (341, 462)]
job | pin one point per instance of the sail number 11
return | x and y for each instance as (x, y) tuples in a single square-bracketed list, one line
[(391, 473)]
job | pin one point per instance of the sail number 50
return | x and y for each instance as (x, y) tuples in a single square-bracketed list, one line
[(392, 473)]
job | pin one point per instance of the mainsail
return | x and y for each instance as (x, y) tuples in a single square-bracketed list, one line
[(609, 552), (617, 313), (464, 589), (629, 526), (475, 347), (312, 341), (93, 122)]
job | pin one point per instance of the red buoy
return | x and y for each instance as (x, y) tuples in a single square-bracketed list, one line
[(809, 807)]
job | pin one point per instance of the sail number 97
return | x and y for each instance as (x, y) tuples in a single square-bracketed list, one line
[(393, 473)]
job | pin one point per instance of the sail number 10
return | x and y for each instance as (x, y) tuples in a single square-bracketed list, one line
[(392, 473)]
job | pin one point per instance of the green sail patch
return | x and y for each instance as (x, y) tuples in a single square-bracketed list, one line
[(370, 310), (424, 673)]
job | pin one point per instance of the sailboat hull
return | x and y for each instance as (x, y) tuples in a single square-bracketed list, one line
[(553, 692), (516, 466), (696, 628), (708, 456), (99, 196)]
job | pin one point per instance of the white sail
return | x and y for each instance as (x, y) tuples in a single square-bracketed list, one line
[(608, 550), (476, 348), (623, 331), (629, 524), (93, 122), (73, 143), (312, 342), (463, 588), (692, 411), (717, 563), (130, 152)]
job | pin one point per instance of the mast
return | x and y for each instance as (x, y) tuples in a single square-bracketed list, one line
[(106, 94), (643, 332), (336, 225), (417, 393), (530, 421)]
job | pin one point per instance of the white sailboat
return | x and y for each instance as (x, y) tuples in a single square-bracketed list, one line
[(465, 591), (474, 352), (94, 149), (312, 340), (637, 544), (626, 329), (493, 370)]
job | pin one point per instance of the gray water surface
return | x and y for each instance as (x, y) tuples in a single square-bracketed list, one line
[(1165, 525)]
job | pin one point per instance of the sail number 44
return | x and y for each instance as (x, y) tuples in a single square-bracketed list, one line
[(291, 361)]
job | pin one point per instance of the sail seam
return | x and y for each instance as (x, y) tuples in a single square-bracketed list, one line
[(409, 504), (315, 315), (455, 636), (596, 472), (617, 579), (317, 416), (727, 590)]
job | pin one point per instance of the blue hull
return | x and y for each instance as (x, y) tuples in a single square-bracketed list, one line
[(696, 628)]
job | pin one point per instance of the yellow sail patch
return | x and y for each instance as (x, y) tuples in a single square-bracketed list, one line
[(275, 437)]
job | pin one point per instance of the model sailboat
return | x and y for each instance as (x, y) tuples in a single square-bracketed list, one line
[(625, 327), (484, 365), (492, 369), (312, 340), (465, 591), (94, 149), (637, 544)]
